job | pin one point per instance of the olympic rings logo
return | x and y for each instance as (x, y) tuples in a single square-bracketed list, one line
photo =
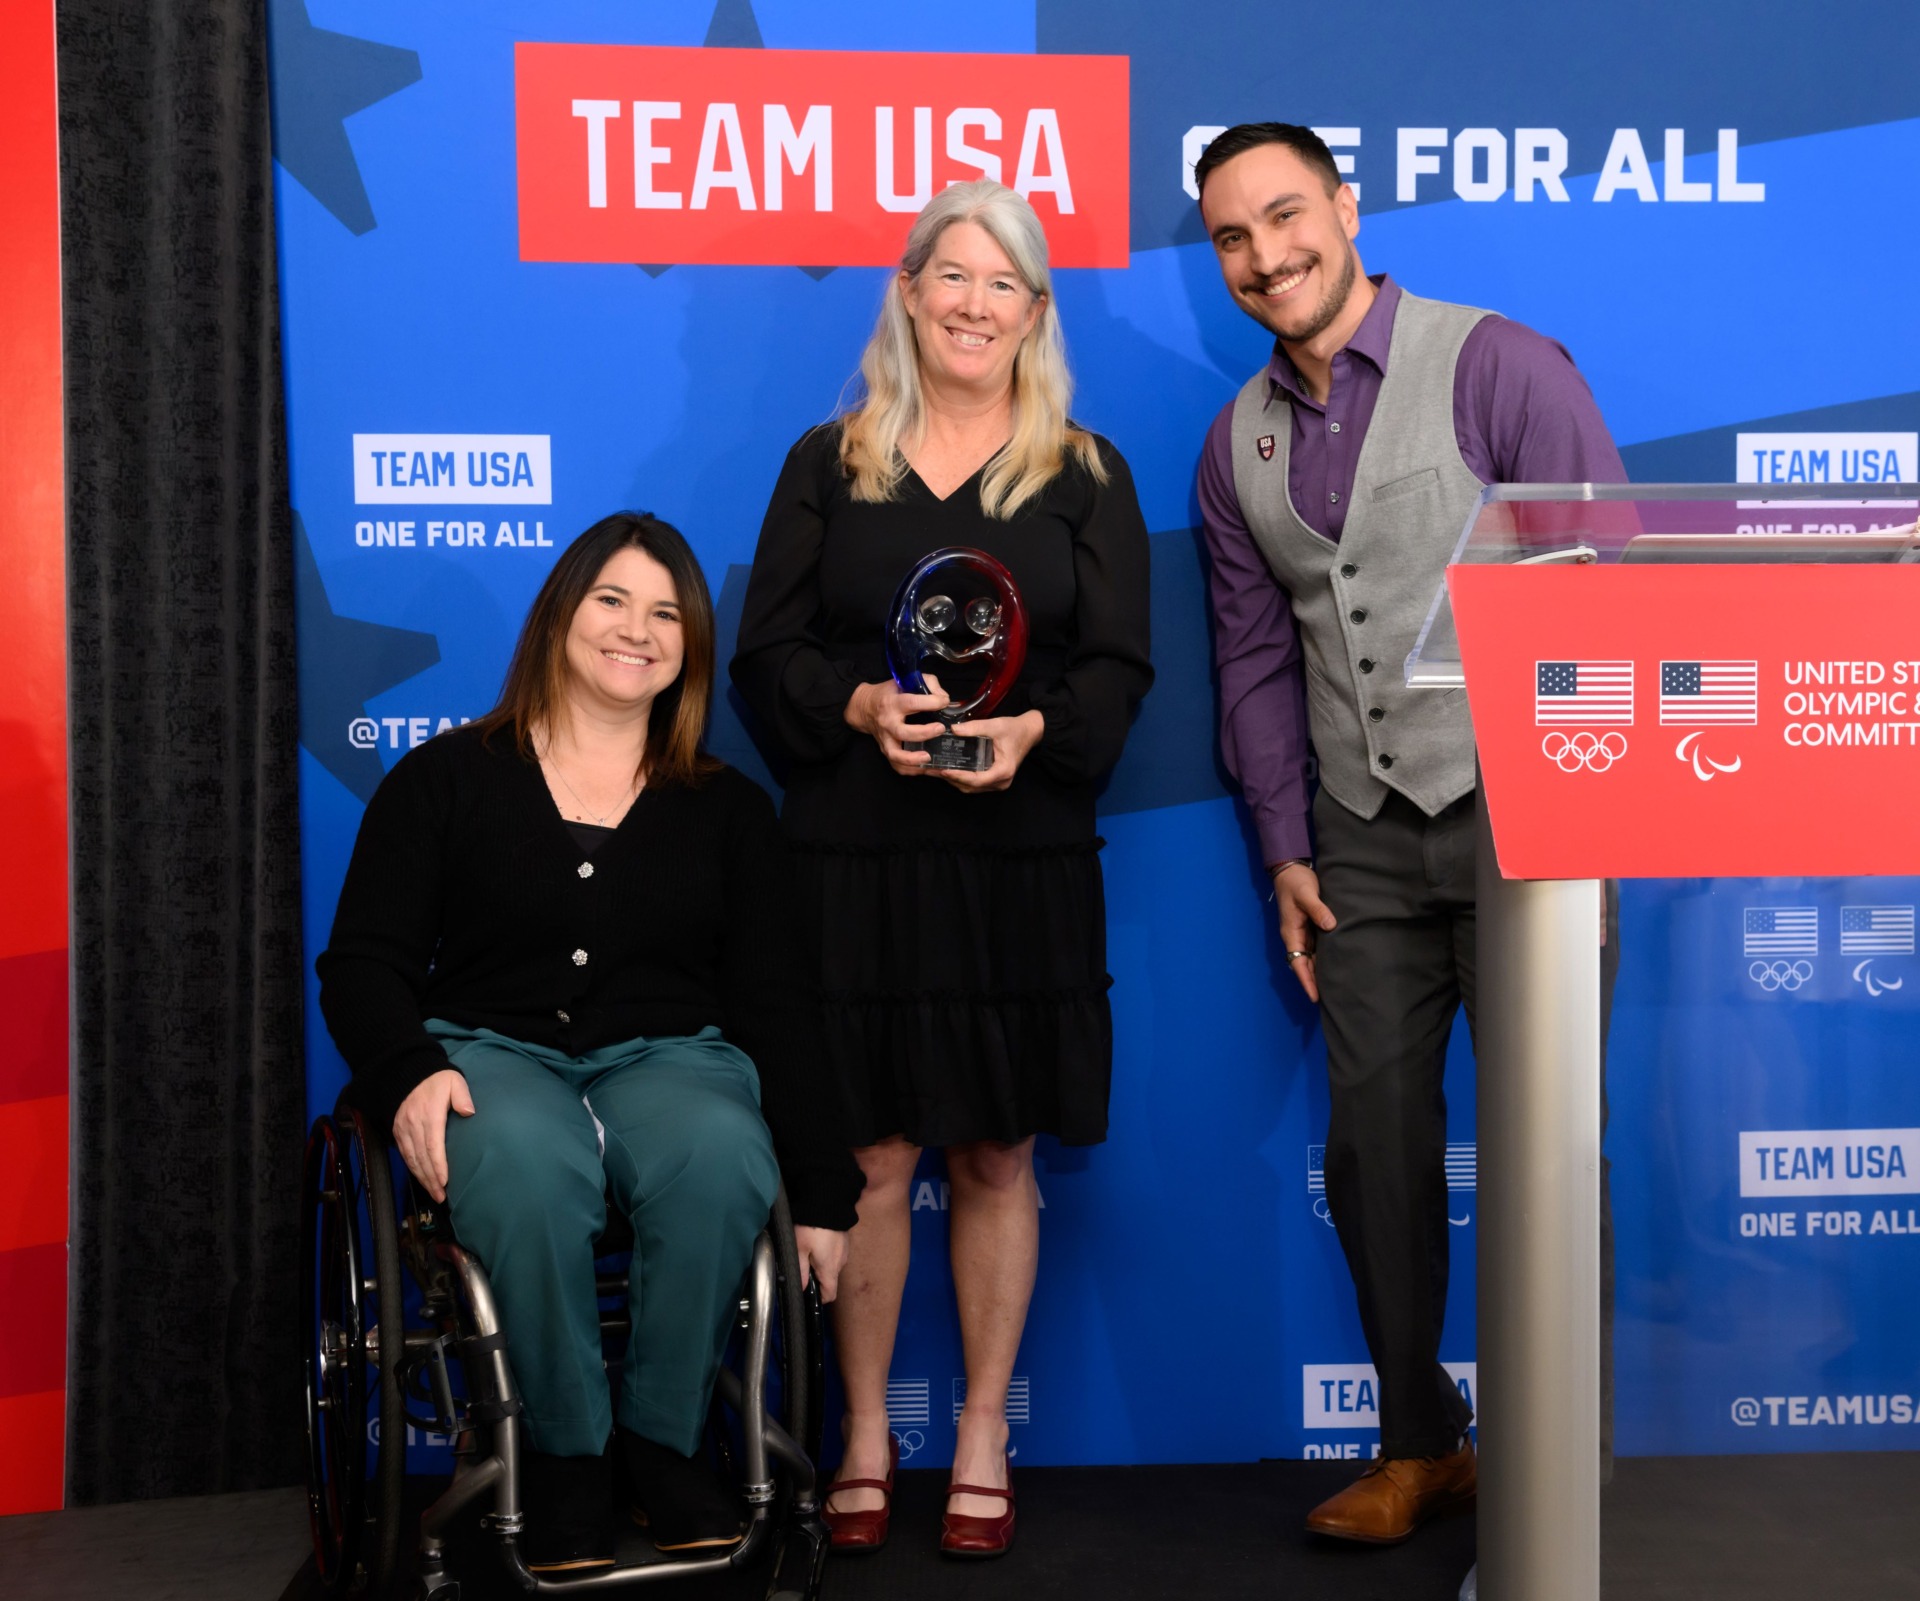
[(1595, 752), (1787, 976)]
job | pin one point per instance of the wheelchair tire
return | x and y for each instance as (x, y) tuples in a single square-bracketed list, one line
[(387, 1480), (802, 1373), (351, 1302)]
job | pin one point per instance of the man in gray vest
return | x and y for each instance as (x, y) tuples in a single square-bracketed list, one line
[(1333, 489)]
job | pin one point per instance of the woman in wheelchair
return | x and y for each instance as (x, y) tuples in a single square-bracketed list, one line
[(562, 971)]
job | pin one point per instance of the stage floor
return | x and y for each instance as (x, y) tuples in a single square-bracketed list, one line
[(1784, 1528)]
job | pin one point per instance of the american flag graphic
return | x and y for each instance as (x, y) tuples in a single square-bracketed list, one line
[(1705, 694), (909, 1403), (1878, 929), (1592, 694), (1019, 1399), (1463, 1167), (1782, 931)]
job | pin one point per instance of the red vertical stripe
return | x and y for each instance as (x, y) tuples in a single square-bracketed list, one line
[(33, 1179), (33, 1350), (34, 1462), (33, 1000), (33, 773)]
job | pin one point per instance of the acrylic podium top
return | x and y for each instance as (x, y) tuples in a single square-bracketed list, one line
[(1672, 680), (1686, 524)]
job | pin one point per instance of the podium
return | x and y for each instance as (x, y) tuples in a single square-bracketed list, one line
[(1716, 680)]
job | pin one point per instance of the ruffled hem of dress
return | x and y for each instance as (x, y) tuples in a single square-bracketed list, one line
[(944, 847), (1057, 995), (933, 1136), (947, 1072), (958, 923)]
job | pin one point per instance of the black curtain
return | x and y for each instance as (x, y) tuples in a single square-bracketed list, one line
[(187, 1078)]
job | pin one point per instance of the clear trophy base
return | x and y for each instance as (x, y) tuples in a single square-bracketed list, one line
[(959, 753)]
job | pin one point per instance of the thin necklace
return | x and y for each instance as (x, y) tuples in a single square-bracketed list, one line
[(626, 799)]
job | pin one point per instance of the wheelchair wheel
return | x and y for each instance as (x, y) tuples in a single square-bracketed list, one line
[(802, 1355), (351, 1294), (800, 1550)]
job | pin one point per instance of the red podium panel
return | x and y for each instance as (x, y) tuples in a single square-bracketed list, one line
[(1713, 720)]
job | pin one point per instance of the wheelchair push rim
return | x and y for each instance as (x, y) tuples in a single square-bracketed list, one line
[(350, 1318)]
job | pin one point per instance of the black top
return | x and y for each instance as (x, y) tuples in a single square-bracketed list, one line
[(589, 836), (468, 899), (823, 581)]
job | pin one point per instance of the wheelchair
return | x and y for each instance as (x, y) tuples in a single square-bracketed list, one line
[(402, 1332)]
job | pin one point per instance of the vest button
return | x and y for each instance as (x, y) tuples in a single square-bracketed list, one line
[(1386, 761), (1375, 713), (563, 1017), (1347, 569), (1358, 614), (1366, 664)]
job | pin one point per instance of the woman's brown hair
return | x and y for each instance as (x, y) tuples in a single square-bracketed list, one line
[(534, 694)]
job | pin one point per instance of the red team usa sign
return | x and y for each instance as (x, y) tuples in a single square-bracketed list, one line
[(815, 158)]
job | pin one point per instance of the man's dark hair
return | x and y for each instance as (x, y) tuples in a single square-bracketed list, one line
[(1245, 136)]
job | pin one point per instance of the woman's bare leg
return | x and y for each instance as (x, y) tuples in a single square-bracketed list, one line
[(994, 1227), (866, 1313)]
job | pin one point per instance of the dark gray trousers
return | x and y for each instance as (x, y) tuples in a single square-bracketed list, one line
[(1393, 972)]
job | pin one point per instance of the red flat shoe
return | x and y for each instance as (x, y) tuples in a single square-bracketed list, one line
[(865, 1530), (963, 1535)]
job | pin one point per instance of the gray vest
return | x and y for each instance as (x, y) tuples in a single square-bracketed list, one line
[(1360, 603)]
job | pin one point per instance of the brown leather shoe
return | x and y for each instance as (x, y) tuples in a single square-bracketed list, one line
[(867, 1530), (1396, 1495)]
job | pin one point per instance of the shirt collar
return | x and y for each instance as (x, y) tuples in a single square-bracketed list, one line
[(1370, 341)]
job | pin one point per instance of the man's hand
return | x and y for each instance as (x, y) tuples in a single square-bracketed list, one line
[(882, 710), (1303, 915), (823, 1253), (420, 1127)]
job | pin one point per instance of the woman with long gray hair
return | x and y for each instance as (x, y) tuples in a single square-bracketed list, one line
[(958, 916)]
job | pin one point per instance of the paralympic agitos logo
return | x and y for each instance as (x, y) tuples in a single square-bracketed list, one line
[(816, 158)]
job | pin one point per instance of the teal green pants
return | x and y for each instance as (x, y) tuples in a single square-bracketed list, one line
[(670, 1131)]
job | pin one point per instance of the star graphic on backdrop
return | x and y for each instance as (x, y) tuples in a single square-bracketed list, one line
[(319, 80), (735, 24), (344, 663), (733, 27)]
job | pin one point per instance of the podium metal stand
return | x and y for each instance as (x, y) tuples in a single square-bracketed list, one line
[(1553, 587), (1539, 1263)]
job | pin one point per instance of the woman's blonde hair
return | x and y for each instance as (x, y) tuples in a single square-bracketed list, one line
[(891, 414)]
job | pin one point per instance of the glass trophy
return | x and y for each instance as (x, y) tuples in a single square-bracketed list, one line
[(960, 608)]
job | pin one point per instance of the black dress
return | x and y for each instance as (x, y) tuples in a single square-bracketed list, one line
[(961, 937)]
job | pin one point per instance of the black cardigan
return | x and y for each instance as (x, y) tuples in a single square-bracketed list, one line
[(467, 899)]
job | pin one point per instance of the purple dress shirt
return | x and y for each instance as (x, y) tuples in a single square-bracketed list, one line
[(1522, 415)]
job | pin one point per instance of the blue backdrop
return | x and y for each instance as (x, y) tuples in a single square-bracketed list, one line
[(1193, 1305)]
